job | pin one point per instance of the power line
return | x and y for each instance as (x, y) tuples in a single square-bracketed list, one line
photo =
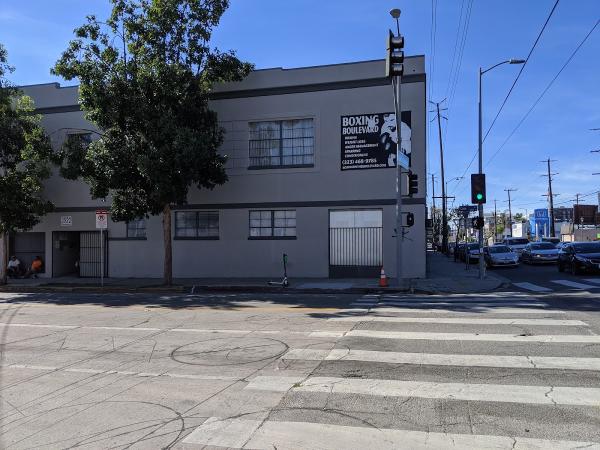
[(522, 69), (544, 92)]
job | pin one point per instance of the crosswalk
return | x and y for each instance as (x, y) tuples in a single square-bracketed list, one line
[(404, 372), (585, 284)]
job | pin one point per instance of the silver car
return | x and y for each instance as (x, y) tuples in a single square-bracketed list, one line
[(500, 256), (540, 252)]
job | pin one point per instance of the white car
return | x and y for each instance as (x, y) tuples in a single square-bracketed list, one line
[(517, 245), (500, 256)]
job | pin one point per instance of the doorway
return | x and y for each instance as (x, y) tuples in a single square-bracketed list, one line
[(355, 243), (77, 254)]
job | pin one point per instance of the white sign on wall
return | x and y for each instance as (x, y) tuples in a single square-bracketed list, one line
[(66, 221), (101, 219)]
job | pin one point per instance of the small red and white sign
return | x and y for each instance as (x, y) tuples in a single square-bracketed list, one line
[(101, 219)]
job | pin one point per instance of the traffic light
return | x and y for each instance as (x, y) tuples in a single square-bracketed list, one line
[(394, 59), (477, 222), (478, 188), (410, 219), (413, 183)]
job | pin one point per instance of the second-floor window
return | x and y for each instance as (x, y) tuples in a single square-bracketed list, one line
[(136, 228), (282, 143)]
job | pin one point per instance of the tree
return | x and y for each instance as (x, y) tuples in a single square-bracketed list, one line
[(145, 78), (25, 157), (519, 217)]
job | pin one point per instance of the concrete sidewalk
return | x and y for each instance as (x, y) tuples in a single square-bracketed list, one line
[(443, 276)]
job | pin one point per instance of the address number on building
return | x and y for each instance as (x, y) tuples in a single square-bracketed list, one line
[(66, 221)]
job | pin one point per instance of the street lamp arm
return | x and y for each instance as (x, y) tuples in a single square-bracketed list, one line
[(494, 66)]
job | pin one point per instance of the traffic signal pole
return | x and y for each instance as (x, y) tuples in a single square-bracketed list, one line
[(480, 206)]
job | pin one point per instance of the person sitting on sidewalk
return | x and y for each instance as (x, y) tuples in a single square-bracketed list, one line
[(13, 269), (36, 267)]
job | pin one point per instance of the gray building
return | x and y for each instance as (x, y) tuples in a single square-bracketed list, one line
[(311, 175)]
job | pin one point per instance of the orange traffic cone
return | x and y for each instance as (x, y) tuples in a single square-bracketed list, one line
[(383, 282)]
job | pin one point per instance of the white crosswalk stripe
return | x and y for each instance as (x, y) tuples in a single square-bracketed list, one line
[(241, 433), (543, 395), (521, 362), (461, 320), (361, 370), (532, 287), (574, 284)]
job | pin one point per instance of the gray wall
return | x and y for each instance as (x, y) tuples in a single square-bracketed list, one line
[(323, 93)]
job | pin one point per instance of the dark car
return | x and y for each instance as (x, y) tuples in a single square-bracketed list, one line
[(579, 257), (540, 252), (471, 253)]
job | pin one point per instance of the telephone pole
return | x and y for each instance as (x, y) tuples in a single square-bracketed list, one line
[(550, 196), (508, 191), (495, 222), (435, 236), (444, 209)]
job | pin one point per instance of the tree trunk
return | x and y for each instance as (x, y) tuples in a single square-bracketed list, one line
[(168, 268), (3, 257)]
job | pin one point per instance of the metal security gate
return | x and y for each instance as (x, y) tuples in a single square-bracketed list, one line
[(89, 254), (355, 251)]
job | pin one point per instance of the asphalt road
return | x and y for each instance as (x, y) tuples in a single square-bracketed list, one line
[(500, 370), (545, 279)]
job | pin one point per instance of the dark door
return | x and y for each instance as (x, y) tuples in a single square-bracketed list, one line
[(355, 243), (26, 246)]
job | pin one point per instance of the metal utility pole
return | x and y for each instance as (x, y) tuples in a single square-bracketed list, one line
[(394, 70), (550, 196), (433, 210), (508, 191), (495, 222), (444, 207)]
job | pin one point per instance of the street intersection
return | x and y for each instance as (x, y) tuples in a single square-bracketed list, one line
[(497, 370)]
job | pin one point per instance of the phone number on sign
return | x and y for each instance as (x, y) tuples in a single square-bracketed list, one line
[(359, 161)]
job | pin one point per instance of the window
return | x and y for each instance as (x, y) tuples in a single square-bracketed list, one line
[(273, 224), (282, 143), (136, 228), (83, 139), (197, 225)]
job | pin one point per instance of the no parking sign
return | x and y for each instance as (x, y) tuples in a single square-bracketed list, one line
[(101, 219)]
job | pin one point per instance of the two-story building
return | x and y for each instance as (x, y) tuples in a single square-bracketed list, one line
[(311, 166)]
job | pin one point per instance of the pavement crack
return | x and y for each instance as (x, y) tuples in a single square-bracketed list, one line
[(531, 362), (547, 395)]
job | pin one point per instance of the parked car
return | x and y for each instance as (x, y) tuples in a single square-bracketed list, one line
[(459, 251), (516, 244), (500, 256), (553, 240), (472, 253), (579, 257), (540, 252)]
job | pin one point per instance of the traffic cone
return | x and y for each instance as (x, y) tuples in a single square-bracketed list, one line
[(383, 282)]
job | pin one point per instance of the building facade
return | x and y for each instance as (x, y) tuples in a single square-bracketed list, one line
[(311, 168)]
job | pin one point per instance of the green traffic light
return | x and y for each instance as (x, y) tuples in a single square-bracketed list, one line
[(479, 196)]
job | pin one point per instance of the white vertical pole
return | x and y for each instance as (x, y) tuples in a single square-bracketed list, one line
[(101, 257)]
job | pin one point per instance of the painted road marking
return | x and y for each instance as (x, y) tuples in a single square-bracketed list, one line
[(242, 433), (436, 359), (121, 372), (505, 393), (486, 304), (461, 320), (593, 280), (532, 287), (574, 284), (407, 335), (470, 310)]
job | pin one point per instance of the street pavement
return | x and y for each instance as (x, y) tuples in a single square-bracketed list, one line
[(504, 370)]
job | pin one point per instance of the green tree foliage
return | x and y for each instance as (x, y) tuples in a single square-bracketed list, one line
[(25, 157), (145, 77)]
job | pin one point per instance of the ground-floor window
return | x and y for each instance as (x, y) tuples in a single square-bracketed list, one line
[(136, 228), (273, 224), (197, 224)]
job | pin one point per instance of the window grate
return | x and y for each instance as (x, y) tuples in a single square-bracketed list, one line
[(273, 224), (197, 224)]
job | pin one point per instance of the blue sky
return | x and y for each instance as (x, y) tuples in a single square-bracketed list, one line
[(294, 33)]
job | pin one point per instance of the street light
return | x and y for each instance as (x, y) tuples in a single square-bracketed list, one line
[(480, 206)]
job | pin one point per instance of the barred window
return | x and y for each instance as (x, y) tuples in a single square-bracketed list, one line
[(273, 224), (197, 224), (83, 139), (136, 228), (282, 143)]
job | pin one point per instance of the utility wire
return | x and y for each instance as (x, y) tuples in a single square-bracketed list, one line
[(521, 70), (544, 92)]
